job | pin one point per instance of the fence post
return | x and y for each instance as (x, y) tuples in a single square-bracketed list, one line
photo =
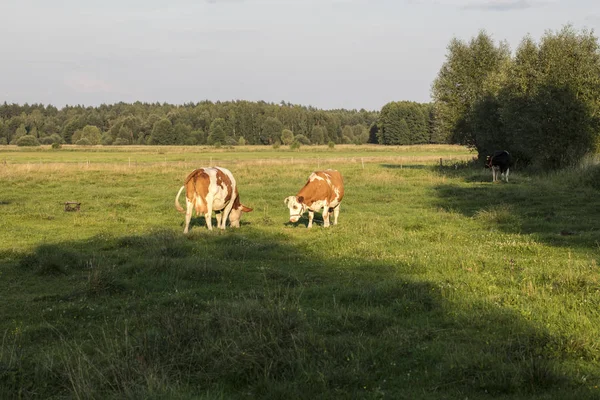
[(441, 163)]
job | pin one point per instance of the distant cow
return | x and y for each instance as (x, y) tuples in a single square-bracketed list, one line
[(212, 189), (499, 162), (324, 189)]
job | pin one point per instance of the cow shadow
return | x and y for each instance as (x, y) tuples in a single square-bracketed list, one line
[(199, 222), (256, 314), (303, 221)]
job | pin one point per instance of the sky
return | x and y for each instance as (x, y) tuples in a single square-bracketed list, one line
[(328, 54)]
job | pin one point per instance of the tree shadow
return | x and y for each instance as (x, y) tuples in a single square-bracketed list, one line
[(554, 214), (405, 166), (245, 312)]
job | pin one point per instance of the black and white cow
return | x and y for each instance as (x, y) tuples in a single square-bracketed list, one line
[(500, 163)]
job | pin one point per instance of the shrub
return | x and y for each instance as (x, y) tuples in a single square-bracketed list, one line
[(302, 139), (287, 137), (276, 144), (3, 141), (56, 145), (331, 144), (295, 145), (27, 140), (242, 141), (217, 145), (46, 140), (106, 140), (83, 142)]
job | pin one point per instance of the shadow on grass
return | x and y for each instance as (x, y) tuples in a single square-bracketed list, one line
[(554, 214), (243, 313), (405, 166)]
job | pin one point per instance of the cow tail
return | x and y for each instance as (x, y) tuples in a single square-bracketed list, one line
[(177, 205)]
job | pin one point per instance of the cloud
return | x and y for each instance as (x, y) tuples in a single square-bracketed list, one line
[(502, 5)]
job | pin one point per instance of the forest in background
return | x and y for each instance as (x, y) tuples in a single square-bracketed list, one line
[(210, 123)]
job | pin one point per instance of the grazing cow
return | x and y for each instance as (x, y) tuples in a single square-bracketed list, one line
[(500, 161), (324, 189), (212, 189)]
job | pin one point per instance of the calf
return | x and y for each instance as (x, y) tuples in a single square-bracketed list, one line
[(211, 189), (500, 161), (324, 189)]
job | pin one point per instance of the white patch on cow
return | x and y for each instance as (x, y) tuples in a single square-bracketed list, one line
[(317, 205), (314, 177)]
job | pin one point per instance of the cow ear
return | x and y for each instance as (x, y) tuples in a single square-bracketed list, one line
[(246, 209), (300, 199), (286, 200)]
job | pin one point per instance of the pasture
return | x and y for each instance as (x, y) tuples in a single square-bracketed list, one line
[(435, 284)]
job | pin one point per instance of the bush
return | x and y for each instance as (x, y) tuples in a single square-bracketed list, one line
[(287, 137), (331, 144), (106, 139), (56, 145), (3, 141), (46, 140), (276, 144), (83, 142), (302, 139), (295, 145), (242, 141), (119, 142), (217, 145), (27, 140)]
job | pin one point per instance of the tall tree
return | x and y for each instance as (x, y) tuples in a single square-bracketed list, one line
[(465, 78), (271, 130), (162, 132)]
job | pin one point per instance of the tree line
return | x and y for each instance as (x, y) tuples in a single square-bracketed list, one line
[(211, 123), (227, 123), (541, 103)]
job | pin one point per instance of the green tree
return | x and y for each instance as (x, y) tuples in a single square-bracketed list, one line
[(318, 134), (287, 137), (271, 130), (27, 140), (217, 132), (20, 132), (162, 132), (471, 71), (89, 132)]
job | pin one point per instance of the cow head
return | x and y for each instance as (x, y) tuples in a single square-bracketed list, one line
[(236, 214), (488, 162), (297, 208)]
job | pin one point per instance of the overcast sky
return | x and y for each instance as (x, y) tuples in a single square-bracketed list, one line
[(324, 53)]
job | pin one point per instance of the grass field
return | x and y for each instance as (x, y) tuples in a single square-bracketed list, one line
[(436, 284)]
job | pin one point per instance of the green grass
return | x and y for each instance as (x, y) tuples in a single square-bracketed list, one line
[(435, 284)]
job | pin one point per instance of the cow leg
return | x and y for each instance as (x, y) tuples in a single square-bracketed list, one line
[(311, 215), (336, 212), (188, 215), (208, 215), (223, 223), (326, 216), (506, 174), (219, 215)]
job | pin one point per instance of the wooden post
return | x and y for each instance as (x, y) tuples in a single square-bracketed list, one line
[(441, 163), (362, 160)]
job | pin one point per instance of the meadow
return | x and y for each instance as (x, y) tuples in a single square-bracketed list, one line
[(436, 284)]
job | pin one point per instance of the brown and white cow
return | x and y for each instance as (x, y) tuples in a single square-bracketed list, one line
[(212, 189), (324, 189)]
